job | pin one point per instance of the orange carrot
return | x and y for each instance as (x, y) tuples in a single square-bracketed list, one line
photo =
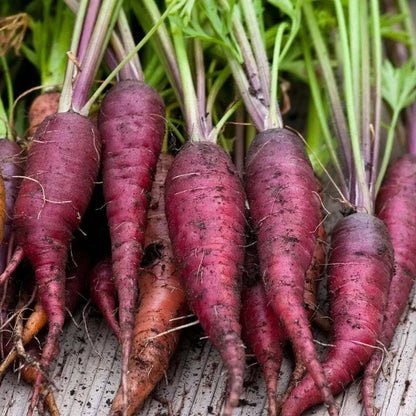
[(42, 106), (161, 300), (29, 373)]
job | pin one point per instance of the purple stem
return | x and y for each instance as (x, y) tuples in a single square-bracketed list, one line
[(200, 86), (111, 60), (88, 27), (93, 55), (119, 50)]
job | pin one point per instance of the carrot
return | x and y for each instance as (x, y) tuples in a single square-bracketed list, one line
[(261, 330), (42, 106), (132, 125), (360, 268), (30, 374), (62, 167), (264, 334), (282, 194), (395, 205), (205, 211), (51, 201), (103, 292), (162, 299)]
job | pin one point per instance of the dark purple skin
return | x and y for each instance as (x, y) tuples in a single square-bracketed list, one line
[(265, 335), (396, 206), (359, 274), (12, 163), (261, 330), (103, 292), (132, 124), (61, 170), (205, 206), (285, 209)]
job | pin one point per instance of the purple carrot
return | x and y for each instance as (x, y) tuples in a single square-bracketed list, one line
[(360, 269), (396, 206), (103, 292), (285, 208)]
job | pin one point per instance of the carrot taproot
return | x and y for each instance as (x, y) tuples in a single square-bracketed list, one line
[(103, 292), (162, 299), (285, 208), (261, 330), (395, 205), (205, 207), (132, 124), (53, 196), (264, 333), (359, 272)]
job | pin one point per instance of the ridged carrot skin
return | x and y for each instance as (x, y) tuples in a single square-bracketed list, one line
[(61, 170), (162, 299), (205, 207), (359, 274), (132, 124), (396, 206), (285, 208)]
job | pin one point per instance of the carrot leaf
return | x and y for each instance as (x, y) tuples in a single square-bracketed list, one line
[(398, 84)]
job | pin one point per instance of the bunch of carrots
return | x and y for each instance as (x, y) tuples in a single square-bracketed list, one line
[(135, 184)]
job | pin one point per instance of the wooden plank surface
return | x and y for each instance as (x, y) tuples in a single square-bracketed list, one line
[(86, 376)]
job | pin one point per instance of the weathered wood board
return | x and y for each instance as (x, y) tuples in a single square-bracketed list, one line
[(86, 377)]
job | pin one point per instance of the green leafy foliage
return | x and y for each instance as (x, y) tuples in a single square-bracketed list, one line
[(50, 40), (389, 28), (398, 85)]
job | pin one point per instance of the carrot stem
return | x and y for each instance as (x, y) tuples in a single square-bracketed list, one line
[(319, 105), (257, 46), (191, 105), (96, 48), (377, 65), (133, 52), (363, 200), (331, 86), (365, 96), (274, 116), (66, 93)]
